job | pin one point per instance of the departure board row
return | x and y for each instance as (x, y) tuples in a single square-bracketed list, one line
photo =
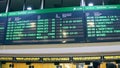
[(61, 25), (3, 21), (53, 27), (103, 23)]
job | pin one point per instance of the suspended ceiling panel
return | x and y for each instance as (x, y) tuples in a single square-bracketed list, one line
[(95, 2), (3, 5), (16, 5), (70, 3), (34, 4), (52, 3), (111, 2)]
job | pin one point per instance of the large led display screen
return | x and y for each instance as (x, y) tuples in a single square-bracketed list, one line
[(3, 20), (103, 23), (62, 25)]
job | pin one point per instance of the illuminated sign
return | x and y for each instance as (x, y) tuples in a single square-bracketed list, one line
[(87, 58), (27, 59), (111, 57), (60, 59), (6, 58), (103, 23), (54, 59), (61, 25), (3, 21)]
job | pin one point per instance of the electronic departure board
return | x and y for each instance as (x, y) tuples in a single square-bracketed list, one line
[(3, 20), (103, 23), (61, 25)]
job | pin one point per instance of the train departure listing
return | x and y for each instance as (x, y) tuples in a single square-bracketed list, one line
[(61, 25), (103, 23), (58, 27), (3, 20)]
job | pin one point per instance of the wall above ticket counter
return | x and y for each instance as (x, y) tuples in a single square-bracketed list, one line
[(62, 50)]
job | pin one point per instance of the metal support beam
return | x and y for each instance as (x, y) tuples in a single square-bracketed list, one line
[(42, 4), (24, 5), (7, 6), (103, 2), (82, 3)]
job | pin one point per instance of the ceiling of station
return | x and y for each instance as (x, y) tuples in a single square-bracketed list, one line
[(3, 5), (19, 5), (61, 3)]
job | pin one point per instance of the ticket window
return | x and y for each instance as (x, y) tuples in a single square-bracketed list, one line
[(31, 66), (103, 65), (7, 65), (118, 65), (111, 65), (37, 65), (58, 66), (84, 65), (90, 66), (40, 65), (11, 65), (0, 65), (66, 65), (80, 65), (96, 64)]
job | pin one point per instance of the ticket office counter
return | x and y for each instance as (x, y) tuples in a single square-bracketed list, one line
[(56, 65)]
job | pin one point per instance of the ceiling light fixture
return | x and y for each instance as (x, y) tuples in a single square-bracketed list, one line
[(90, 4), (29, 8)]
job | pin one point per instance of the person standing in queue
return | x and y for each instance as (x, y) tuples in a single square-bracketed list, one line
[(96, 64), (111, 65)]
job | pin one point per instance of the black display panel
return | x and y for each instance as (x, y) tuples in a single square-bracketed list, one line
[(3, 20), (62, 25), (103, 23)]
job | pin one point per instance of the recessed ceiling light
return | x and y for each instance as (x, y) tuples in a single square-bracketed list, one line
[(90, 4), (29, 8)]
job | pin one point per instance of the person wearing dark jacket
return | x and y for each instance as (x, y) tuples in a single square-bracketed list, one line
[(96, 64), (110, 65)]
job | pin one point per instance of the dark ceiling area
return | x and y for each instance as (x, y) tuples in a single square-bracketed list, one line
[(3, 5), (16, 5), (95, 2), (20, 5), (61, 3), (35, 4), (103, 2), (111, 2), (52, 3)]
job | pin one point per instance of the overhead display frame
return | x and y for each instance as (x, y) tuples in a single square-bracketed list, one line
[(63, 59), (103, 23), (52, 59), (62, 25), (3, 21)]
